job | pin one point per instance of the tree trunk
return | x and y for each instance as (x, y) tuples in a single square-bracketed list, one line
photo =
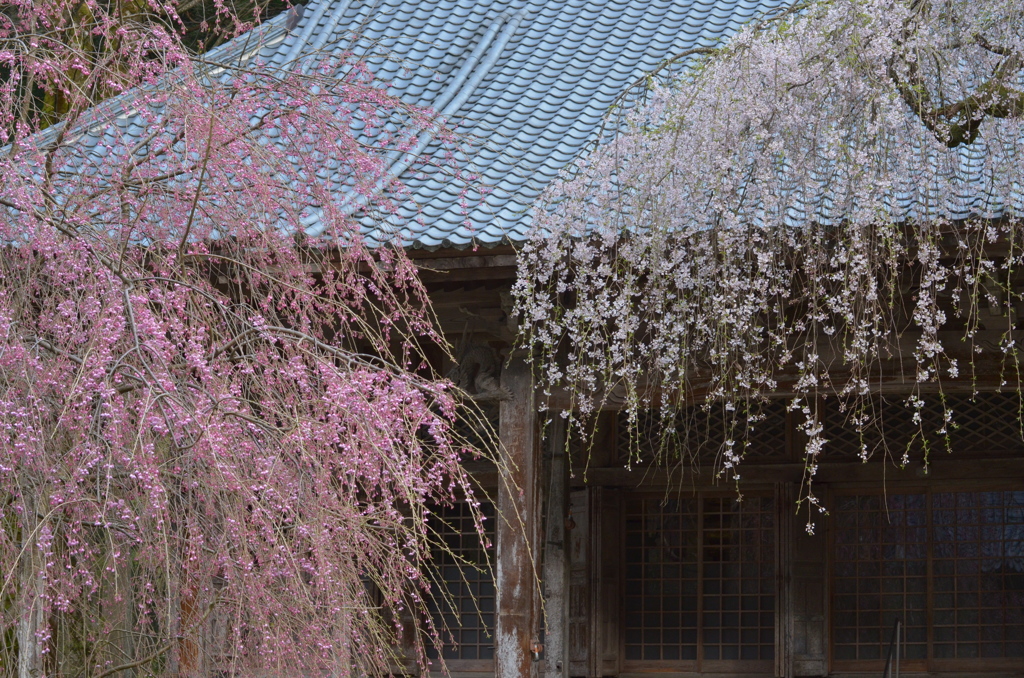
[(31, 587)]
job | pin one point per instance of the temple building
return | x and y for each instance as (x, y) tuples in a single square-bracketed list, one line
[(605, 566)]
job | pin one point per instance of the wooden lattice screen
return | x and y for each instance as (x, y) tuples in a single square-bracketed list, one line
[(699, 434), (978, 575), (700, 581), (463, 606), (988, 423), (880, 573), (953, 557)]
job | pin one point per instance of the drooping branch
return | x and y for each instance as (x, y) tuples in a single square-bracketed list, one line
[(958, 123), (208, 402), (794, 220)]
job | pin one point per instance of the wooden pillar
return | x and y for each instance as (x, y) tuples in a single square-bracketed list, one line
[(555, 575), (605, 545), (582, 573), (810, 593), (783, 593), (516, 627)]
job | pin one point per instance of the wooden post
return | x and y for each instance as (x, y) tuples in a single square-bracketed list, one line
[(809, 594), (583, 572), (516, 626), (555, 574), (606, 592), (783, 581), (33, 587)]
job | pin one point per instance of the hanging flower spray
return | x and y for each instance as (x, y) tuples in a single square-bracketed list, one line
[(831, 196)]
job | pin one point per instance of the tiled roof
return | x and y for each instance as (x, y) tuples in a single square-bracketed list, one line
[(547, 73), (526, 81)]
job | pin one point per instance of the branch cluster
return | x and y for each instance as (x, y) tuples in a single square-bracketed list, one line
[(216, 451), (811, 211)]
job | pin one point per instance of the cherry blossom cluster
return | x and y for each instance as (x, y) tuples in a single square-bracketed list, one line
[(219, 440), (833, 195)]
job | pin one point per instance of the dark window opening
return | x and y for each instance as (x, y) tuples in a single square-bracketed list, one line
[(700, 579), (956, 558), (462, 607)]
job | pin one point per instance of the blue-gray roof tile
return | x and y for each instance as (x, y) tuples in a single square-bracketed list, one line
[(538, 104)]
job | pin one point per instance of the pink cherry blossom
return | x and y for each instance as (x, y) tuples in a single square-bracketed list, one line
[(216, 456)]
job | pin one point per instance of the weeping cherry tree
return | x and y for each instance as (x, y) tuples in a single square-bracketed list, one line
[(218, 440), (786, 215)]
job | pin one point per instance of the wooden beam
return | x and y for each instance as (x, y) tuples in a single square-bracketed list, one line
[(942, 467), (488, 267), (430, 275), (516, 628), (473, 261), (898, 378), (460, 252), (555, 576)]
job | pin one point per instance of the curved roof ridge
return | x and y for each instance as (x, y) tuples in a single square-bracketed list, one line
[(448, 103)]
